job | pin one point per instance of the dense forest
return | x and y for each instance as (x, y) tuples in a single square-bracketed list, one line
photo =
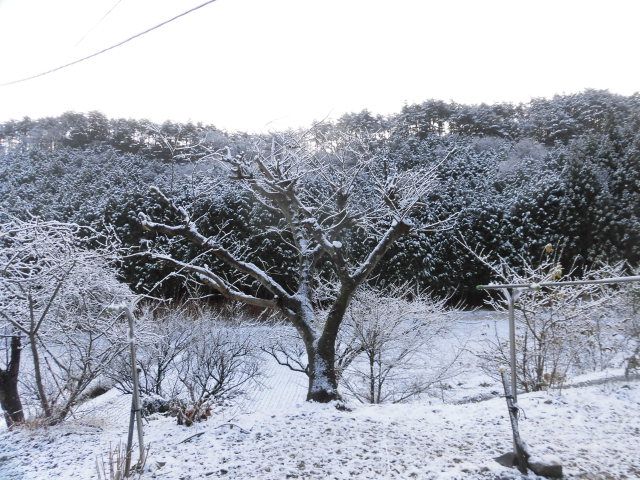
[(512, 178)]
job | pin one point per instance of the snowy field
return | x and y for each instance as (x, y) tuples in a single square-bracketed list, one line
[(594, 430)]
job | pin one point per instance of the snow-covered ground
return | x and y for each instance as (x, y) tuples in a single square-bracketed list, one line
[(594, 430)]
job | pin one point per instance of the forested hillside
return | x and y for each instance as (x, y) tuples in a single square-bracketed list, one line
[(512, 178)]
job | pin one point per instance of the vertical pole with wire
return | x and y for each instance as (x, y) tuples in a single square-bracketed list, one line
[(136, 415), (512, 361), (512, 341)]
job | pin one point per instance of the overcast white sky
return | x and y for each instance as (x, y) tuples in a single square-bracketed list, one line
[(264, 64)]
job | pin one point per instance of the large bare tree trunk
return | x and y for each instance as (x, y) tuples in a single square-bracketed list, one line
[(323, 378), (9, 395)]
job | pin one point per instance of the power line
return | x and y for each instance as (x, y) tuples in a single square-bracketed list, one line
[(98, 23), (119, 44)]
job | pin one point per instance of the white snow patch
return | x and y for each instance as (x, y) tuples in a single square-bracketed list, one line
[(592, 429)]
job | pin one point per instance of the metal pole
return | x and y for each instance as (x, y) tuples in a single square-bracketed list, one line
[(512, 342), (135, 407), (127, 464)]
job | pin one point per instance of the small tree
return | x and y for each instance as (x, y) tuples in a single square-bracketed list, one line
[(56, 293), (395, 337), (323, 198), (219, 363)]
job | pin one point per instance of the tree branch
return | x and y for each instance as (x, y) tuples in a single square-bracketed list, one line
[(191, 233), (217, 283), (395, 231)]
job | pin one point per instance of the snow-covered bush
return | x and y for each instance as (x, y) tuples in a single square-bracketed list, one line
[(219, 363), (162, 335), (189, 359)]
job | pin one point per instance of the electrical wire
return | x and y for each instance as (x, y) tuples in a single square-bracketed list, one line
[(104, 50), (97, 23)]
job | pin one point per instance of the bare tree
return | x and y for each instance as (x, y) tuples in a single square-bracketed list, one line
[(55, 293), (189, 358), (321, 197), (396, 338)]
